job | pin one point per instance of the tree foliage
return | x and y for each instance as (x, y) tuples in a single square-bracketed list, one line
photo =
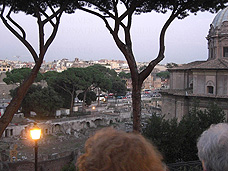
[(50, 76), (17, 76), (44, 17), (177, 141), (124, 75), (90, 97), (67, 83), (118, 88), (171, 65), (43, 101), (163, 74), (100, 77)]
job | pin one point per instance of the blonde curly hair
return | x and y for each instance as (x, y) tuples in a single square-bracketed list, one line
[(112, 150)]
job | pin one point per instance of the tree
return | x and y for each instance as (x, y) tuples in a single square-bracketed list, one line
[(177, 141), (68, 82), (38, 10), (49, 76), (171, 65), (46, 102), (18, 76), (109, 12), (26, 105), (118, 88), (124, 75), (101, 78), (75, 79), (163, 75), (90, 97), (43, 101), (192, 126), (164, 134)]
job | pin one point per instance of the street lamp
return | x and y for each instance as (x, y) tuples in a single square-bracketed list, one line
[(93, 110), (35, 134)]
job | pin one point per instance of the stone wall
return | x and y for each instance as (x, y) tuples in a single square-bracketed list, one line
[(177, 80), (71, 125), (4, 88), (217, 79), (174, 106), (178, 106)]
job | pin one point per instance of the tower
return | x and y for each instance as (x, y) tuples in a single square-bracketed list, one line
[(218, 36)]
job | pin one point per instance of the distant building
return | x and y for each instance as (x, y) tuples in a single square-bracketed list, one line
[(204, 80), (153, 82), (4, 66)]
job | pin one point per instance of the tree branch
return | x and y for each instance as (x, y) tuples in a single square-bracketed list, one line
[(55, 14), (15, 33), (144, 74), (127, 31), (47, 17), (54, 32), (102, 8), (16, 24), (63, 88), (115, 7), (132, 8), (97, 14)]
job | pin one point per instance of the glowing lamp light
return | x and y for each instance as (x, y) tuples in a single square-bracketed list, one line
[(93, 107), (35, 133)]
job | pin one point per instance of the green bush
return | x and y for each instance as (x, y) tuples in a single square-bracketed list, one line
[(177, 141), (69, 167)]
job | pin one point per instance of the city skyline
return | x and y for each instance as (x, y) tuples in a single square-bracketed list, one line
[(84, 36)]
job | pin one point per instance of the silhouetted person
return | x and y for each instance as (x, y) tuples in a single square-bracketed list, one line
[(213, 148), (112, 150)]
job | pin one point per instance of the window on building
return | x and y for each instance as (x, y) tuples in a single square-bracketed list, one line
[(210, 89), (191, 85), (11, 132), (225, 51), (212, 53), (6, 133)]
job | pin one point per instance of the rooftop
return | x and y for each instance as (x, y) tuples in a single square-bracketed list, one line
[(221, 17), (215, 64)]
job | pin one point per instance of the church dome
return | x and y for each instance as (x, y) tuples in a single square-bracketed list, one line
[(220, 18)]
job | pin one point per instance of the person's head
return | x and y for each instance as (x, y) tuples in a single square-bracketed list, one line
[(112, 150), (213, 148)]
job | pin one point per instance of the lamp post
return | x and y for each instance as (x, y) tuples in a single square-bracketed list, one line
[(93, 110), (35, 133)]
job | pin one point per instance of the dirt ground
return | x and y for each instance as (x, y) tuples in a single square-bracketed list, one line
[(49, 147)]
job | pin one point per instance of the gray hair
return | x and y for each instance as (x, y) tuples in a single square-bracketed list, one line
[(213, 147)]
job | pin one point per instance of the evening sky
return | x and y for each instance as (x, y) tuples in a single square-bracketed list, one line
[(85, 36)]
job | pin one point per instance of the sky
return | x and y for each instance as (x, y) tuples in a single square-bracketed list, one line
[(85, 36)]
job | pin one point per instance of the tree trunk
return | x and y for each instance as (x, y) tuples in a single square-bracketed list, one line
[(136, 105), (72, 102), (15, 103), (26, 113), (98, 101), (84, 99)]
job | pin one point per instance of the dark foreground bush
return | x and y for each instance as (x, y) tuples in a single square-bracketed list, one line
[(177, 141)]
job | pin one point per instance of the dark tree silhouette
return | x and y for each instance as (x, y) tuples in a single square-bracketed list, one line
[(37, 9), (116, 21)]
